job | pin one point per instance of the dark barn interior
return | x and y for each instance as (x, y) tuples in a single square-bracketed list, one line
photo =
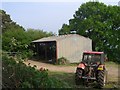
[(46, 51)]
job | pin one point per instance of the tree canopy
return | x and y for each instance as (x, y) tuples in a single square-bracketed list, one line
[(15, 38), (7, 23), (99, 22)]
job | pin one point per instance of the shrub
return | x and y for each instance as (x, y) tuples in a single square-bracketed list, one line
[(62, 61), (26, 54), (18, 75)]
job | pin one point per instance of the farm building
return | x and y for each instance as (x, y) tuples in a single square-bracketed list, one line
[(70, 46)]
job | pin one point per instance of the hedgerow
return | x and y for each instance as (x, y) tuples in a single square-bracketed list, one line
[(19, 75)]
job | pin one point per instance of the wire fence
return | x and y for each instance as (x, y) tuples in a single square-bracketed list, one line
[(12, 53)]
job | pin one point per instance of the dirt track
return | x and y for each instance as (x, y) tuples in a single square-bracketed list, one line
[(51, 67), (112, 70)]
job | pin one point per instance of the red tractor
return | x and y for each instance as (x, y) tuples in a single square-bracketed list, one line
[(91, 68)]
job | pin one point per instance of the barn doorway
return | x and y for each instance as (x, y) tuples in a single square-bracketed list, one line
[(46, 51)]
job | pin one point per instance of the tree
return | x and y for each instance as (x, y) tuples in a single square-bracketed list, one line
[(37, 34), (15, 38), (64, 30), (7, 23), (100, 23)]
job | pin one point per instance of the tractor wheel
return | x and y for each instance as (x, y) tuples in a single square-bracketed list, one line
[(78, 75), (101, 78)]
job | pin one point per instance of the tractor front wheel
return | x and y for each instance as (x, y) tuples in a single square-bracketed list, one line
[(101, 78), (78, 75)]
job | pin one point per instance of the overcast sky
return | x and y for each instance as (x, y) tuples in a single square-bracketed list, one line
[(41, 14)]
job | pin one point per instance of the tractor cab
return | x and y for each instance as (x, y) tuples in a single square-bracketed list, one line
[(93, 58)]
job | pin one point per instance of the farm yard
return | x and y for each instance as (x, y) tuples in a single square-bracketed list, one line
[(67, 73), (37, 58)]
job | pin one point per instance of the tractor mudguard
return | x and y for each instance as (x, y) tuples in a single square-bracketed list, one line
[(81, 65)]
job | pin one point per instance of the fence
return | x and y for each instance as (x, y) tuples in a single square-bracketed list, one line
[(12, 53)]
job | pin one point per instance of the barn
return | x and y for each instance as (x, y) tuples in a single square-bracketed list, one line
[(70, 46)]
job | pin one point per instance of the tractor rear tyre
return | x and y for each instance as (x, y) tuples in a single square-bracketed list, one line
[(78, 75), (101, 78)]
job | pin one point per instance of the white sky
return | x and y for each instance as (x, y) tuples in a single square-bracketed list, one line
[(48, 15), (58, 0)]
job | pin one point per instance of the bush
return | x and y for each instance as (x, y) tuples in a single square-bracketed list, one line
[(18, 75), (26, 54), (62, 61)]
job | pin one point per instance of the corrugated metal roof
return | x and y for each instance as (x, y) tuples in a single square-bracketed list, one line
[(57, 38)]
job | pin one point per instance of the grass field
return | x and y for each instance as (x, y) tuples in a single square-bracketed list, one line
[(113, 77), (66, 73)]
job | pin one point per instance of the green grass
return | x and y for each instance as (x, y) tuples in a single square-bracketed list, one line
[(70, 80), (113, 64), (108, 63), (65, 77), (112, 85), (70, 64)]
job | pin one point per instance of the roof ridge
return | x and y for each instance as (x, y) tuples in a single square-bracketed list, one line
[(55, 38)]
